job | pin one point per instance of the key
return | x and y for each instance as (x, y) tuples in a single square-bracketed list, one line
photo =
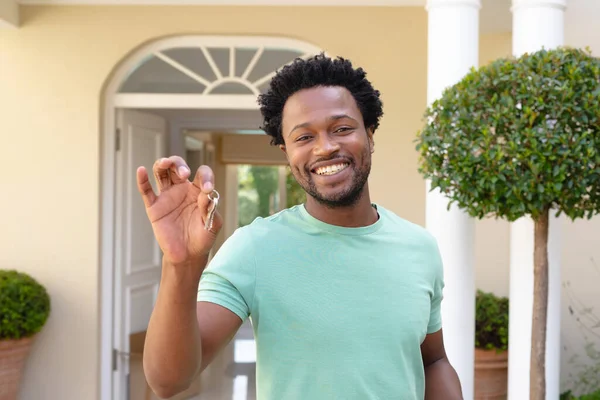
[(213, 197)]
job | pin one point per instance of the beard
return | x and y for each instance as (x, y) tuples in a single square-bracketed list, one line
[(346, 196)]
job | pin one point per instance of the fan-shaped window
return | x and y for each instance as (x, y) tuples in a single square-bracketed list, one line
[(206, 70)]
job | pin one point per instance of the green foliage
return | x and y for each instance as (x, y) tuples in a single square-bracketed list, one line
[(247, 197), (295, 193), (590, 396), (518, 137), (491, 321), (258, 187), (266, 183), (247, 208), (24, 305)]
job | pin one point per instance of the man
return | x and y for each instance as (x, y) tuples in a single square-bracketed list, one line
[(344, 296)]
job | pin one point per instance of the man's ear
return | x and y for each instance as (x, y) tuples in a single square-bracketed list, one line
[(282, 148), (370, 133)]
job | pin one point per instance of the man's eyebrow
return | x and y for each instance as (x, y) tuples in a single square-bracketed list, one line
[(341, 116), (299, 126), (332, 118)]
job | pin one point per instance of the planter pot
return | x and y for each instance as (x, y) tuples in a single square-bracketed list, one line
[(13, 354), (491, 375)]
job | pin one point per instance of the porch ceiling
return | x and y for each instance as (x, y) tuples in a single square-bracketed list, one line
[(495, 14), (9, 14)]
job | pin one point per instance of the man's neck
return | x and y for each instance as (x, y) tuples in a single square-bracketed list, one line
[(357, 215)]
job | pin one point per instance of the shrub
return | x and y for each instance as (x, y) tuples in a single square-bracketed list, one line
[(590, 396), (491, 322), (24, 305)]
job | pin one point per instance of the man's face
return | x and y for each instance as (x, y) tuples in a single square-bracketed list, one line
[(327, 145)]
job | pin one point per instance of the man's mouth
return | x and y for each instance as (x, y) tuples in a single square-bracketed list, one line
[(331, 169)]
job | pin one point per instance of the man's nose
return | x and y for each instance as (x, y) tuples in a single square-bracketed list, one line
[(325, 145)]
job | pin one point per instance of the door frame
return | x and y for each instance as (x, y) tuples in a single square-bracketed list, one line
[(110, 101)]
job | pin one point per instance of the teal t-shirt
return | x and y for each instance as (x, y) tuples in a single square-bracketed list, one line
[(337, 313)]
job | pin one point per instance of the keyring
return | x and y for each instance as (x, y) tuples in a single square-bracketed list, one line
[(213, 197)]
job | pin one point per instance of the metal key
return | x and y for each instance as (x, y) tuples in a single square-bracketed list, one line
[(213, 197)]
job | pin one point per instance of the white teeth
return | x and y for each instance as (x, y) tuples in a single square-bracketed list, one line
[(330, 169)]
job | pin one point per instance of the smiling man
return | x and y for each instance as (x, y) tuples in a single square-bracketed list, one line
[(344, 296)]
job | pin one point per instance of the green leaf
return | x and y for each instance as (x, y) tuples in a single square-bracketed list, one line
[(556, 170)]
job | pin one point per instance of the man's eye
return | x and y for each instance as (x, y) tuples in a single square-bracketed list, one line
[(343, 129), (301, 138)]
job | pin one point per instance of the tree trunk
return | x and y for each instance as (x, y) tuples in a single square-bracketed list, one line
[(537, 383)]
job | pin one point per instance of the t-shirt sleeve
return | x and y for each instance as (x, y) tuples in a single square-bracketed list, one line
[(435, 315), (229, 279)]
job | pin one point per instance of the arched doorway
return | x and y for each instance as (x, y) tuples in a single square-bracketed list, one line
[(208, 82)]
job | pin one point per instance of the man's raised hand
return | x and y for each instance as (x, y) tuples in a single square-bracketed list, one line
[(179, 210)]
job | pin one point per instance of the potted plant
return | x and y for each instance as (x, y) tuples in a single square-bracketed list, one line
[(24, 309), (491, 346), (520, 138)]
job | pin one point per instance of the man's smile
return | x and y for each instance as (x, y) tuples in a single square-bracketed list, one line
[(331, 169)]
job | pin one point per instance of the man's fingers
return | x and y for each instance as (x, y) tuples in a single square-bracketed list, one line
[(144, 187), (170, 171), (160, 169), (205, 179), (179, 169)]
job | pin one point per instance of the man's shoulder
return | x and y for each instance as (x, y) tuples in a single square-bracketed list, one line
[(258, 237), (262, 227), (283, 217), (406, 227), (417, 237)]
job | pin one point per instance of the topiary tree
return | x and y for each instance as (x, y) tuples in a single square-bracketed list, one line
[(520, 137), (24, 305)]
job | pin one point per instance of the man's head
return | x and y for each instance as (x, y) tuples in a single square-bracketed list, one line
[(323, 113)]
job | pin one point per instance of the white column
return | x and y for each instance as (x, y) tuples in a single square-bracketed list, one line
[(537, 24), (453, 48)]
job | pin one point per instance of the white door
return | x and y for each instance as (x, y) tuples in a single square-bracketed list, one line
[(142, 138)]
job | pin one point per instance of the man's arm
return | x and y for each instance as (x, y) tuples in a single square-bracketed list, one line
[(441, 380), (184, 335)]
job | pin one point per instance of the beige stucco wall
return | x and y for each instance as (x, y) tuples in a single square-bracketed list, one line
[(52, 71)]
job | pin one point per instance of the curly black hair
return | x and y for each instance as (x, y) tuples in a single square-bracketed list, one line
[(318, 70)]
